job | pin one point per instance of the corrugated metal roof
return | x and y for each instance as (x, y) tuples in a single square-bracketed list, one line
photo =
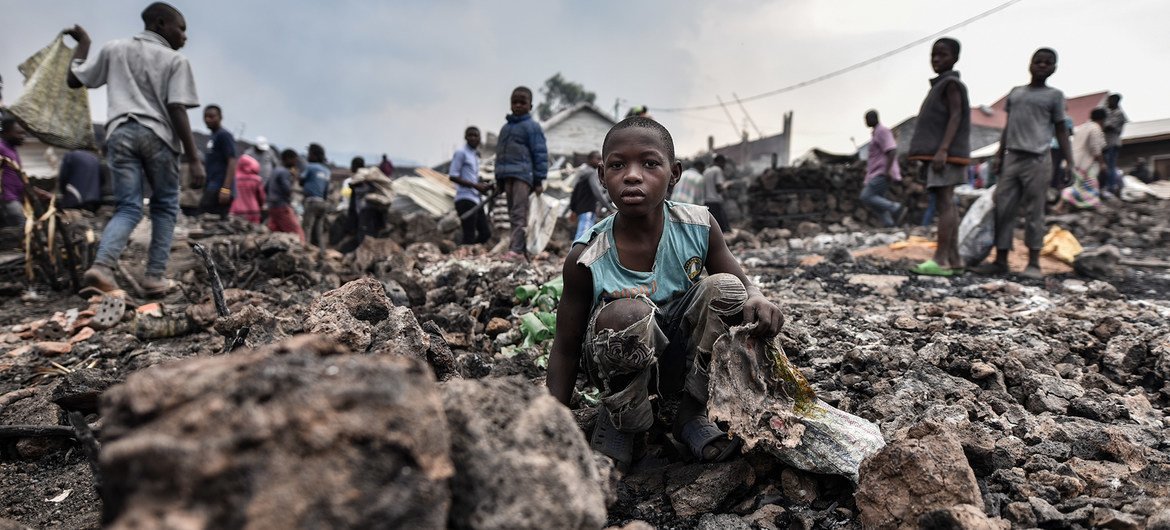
[(1145, 131)]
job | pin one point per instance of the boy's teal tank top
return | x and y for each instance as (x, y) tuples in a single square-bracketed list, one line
[(681, 256)]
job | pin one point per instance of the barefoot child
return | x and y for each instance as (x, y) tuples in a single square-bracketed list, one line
[(635, 315)]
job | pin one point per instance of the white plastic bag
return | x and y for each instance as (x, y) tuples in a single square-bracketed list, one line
[(977, 230), (543, 212)]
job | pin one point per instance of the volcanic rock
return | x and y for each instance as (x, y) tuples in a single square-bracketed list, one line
[(520, 460), (297, 435), (924, 471)]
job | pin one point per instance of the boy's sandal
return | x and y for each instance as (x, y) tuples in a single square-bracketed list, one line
[(611, 442), (931, 268), (699, 432)]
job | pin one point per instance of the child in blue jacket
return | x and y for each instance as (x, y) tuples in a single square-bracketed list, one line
[(521, 167)]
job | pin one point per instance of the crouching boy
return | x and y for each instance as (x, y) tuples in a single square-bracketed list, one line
[(636, 315)]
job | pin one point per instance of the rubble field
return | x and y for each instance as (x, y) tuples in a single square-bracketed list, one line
[(402, 386)]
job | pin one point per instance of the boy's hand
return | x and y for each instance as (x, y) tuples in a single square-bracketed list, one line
[(198, 173), (767, 317), (939, 160), (77, 32), (538, 189)]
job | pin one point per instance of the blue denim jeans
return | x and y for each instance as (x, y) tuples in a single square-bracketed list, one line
[(1111, 180), (873, 195), (584, 223), (137, 155)]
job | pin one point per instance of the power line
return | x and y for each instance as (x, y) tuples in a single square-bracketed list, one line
[(855, 66)]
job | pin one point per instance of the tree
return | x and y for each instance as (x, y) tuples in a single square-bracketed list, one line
[(560, 94)]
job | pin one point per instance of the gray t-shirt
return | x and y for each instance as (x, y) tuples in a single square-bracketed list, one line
[(712, 179), (144, 76), (1115, 121), (1032, 115)]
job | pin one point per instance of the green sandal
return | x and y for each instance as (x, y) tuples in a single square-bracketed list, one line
[(931, 268)]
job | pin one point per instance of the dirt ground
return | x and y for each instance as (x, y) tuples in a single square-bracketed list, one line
[(1027, 373)]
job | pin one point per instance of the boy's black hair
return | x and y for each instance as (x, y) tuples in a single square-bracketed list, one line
[(1098, 113), (467, 130), (953, 44), (720, 159), (159, 10), (288, 154), (213, 107), (357, 163), (1114, 97), (699, 165), (1046, 50), (316, 153), (525, 90), (645, 123)]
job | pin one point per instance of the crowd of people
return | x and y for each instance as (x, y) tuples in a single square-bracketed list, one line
[(148, 136), (1039, 148)]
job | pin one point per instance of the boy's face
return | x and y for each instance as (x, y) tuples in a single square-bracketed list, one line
[(472, 137), (174, 30), (637, 172), (1043, 65), (871, 119), (521, 103), (942, 59), (212, 119), (288, 162)]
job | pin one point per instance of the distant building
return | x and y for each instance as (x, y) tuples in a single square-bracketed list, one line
[(1149, 140), (574, 132), (752, 157)]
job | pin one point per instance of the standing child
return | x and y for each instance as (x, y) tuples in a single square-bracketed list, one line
[(713, 186), (281, 217), (942, 142), (521, 167), (464, 172), (315, 182), (1034, 110), (634, 307), (249, 190)]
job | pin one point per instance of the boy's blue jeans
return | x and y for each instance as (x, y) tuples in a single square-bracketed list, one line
[(668, 351), (873, 195), (137, 155)]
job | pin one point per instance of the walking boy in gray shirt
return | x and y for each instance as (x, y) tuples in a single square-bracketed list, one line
[(150, 88), (1034, 111)]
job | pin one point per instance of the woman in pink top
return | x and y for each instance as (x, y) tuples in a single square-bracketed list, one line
[(249, 190)]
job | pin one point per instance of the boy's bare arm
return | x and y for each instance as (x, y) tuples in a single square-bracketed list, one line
[(182, 126), (572, 317), (229, 179), (1062, 141), (80, 52), (757, 308), (954, 110)]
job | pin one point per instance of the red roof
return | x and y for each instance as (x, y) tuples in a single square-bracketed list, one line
[(1078, 109)]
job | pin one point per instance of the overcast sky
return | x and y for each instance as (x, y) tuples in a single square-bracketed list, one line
[(406, 77)]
